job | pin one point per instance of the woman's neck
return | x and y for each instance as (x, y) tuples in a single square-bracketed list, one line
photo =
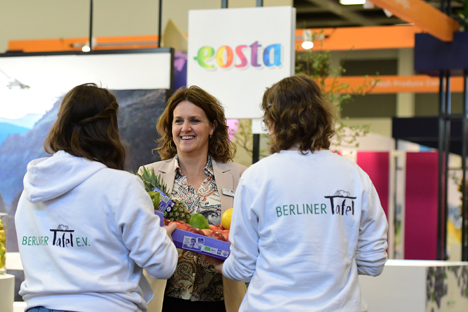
[(192, 165), (294, 147)]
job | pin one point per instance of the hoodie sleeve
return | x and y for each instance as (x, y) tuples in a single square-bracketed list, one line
[(242, 261), (371, 252), (149, 245)]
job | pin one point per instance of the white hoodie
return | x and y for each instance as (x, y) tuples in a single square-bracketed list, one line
[(298, 251), (84, 233)]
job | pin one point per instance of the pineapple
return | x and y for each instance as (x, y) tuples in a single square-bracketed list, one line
[(179, 212), (151, 181)]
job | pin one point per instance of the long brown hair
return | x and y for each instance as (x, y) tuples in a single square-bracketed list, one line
[(219, 147), (298, 114), (87, 127)]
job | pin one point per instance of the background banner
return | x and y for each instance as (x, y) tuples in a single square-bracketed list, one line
[(239, 53)]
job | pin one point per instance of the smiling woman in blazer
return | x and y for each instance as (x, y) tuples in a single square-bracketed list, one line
[(197, 167)]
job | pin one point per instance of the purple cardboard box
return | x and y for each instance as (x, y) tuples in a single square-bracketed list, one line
[(198, 243), (201, 244), (165, 203)]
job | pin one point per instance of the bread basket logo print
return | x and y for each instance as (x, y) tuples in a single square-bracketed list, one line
[(342, 203), (225, 57)]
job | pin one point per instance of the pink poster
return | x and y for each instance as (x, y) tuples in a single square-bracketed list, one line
[(376, 165), (421, 206)]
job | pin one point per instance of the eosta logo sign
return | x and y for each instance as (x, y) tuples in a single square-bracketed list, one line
[(225, 56)]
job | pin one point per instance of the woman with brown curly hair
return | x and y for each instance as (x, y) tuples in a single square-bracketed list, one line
[(197, 167), (306, 221)]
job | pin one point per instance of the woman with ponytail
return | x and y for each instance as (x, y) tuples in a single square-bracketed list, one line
[(85, 227)]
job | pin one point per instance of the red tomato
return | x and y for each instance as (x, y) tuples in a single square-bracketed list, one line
[(188, 227), (207, 232), (217, 235), (195, 230), (213, 227), (181, 225), (218, 227)]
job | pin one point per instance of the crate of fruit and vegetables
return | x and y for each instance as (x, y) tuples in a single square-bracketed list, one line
[(193, 232)]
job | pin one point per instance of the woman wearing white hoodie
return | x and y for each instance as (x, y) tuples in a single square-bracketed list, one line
[(85, 227), (306, 221)]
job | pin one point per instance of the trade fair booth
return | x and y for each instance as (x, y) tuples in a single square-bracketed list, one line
[(235, 61)]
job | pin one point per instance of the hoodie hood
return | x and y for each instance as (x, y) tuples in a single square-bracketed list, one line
[(51, 177)]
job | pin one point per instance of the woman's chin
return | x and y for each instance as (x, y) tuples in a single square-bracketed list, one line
[(187, 149), (195, 151)]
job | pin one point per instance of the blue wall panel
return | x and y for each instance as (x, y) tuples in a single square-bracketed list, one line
[(432, 55)]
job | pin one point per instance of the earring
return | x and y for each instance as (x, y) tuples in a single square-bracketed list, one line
[(211, 136)]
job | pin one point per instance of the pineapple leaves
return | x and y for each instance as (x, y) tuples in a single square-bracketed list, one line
[(151, 180)]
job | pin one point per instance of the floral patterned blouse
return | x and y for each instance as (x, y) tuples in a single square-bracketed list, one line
[(195, 279)]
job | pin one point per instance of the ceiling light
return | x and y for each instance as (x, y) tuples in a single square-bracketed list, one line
[(86, 47), (352, 2), (306, 45)]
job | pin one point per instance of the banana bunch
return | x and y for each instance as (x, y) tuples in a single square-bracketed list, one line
[(2, 245)]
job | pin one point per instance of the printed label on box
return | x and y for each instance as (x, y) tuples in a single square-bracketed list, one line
[(193, 243), (215, 251), (201, 244), (165, 203)]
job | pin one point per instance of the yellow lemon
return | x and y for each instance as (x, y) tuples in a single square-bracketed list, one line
[(226, 219)]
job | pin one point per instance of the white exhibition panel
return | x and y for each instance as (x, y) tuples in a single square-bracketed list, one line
[(7, 292), (369, 142), (258, 127), (239, 53), (50, 76), (125, 71), (405, 285), (19, 306), (13, 261)]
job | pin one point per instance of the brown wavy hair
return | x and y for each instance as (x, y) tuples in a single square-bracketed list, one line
[(87, 127), (219, 146), (296, 111)]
